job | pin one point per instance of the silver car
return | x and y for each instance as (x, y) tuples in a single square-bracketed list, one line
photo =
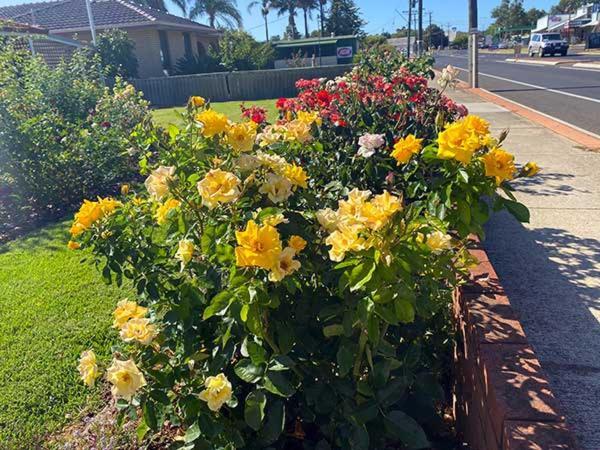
[(542, 44)]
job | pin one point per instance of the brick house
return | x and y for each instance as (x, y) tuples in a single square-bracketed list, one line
[(160, 38)]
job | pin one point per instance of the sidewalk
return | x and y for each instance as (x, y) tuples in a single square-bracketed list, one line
[(550, 268)]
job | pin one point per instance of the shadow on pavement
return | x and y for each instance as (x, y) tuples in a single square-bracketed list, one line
[(548, 184)]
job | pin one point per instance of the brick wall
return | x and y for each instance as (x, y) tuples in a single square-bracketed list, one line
[(502, 397)]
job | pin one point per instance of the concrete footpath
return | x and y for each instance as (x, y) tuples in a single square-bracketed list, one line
[(550, 267)]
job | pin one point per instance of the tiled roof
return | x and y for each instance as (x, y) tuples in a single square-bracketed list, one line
[(72, 15)]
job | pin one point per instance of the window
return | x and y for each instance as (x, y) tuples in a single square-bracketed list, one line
[(187, 44), (165, 53), (551, 37), (536, 38)]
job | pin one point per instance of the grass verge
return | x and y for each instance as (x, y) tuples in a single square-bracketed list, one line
[(232, 110), (52, 307)]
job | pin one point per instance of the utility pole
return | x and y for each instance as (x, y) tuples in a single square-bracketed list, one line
[(420, 29), (473, 45), (410, 3), (430, 31)]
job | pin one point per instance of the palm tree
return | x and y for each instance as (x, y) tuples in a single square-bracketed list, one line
[(307, 6), (156, 4), (265, 7), (182, 5), (288, 7), (218, 12)]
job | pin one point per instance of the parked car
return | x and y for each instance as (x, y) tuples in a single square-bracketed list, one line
[(542, 44)]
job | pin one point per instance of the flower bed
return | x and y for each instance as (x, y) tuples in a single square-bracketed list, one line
[(295, 279)]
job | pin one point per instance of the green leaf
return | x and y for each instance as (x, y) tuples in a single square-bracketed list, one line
[(274, 425), (345, 360), (192, 433), (247, 371), (278, 384), (141, 431), (218, 304), (359, 439), (254, 409), (518, 210), (150, 415), (257, 354), (405, 311), (333, 330), (361, 275), (401, 426)]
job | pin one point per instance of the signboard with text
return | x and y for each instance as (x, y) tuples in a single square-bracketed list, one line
[(344, 52)]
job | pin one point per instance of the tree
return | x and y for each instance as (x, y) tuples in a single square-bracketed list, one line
[(219, 12), (265, 7), (510, 13), (156, 4), (238, 50), (344, 18), (435, 36), (567, 6), (307, 6), (534, 14), (117, 54), (288, 7)]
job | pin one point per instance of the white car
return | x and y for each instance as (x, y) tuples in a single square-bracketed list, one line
[(542, 44)]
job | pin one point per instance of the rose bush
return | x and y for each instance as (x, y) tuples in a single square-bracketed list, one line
[(285, 301)]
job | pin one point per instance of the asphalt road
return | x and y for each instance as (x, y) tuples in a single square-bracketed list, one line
[(566, 93)]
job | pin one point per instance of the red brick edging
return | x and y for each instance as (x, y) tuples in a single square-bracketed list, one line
[(502, 398)]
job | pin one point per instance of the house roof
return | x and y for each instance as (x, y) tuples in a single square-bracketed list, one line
[(71, 16)]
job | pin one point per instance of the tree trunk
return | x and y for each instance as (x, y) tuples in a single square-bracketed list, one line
[(266, 27), (305, 24), (211, 21)]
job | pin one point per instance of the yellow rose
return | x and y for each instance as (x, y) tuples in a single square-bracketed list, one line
[(277, 188), (327, 218), (457, 142), (108, 205), (124, 189), (77, 228), (197, 101), (125, 377), (405, 148), (477, 125), (257, 246), (309, 117), (343, 240), (295, 174), (246, 162), (350, 210), (274, 220), (499, 164), (438, 242), (273, 162), (162, 213), (217, 187), (88, 213), (185, 251), (298, 131), (138, 330), (214, 122), (241, 136), (376, 213), (285, 265), (157, 182), (72, 245), (530, 169), (297, 243), (88, 369), (127, 310), (218, 391)]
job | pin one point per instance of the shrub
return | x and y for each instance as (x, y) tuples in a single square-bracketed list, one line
[(238, 50), (278, 310), (117, 54), (64, 135), (191, 64)]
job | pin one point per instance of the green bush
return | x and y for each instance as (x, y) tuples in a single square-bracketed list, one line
[(117, 54), (63, 134)]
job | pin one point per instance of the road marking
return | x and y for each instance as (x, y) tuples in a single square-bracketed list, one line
[(535, 86), (578, 68)]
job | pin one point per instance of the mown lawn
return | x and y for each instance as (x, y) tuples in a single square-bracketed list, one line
[(51, 308), (166, 116)]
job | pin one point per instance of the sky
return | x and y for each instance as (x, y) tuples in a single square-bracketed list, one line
[(380, 15)]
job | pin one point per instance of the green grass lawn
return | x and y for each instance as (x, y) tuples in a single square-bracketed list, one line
[(166, 116), (51, 308)]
